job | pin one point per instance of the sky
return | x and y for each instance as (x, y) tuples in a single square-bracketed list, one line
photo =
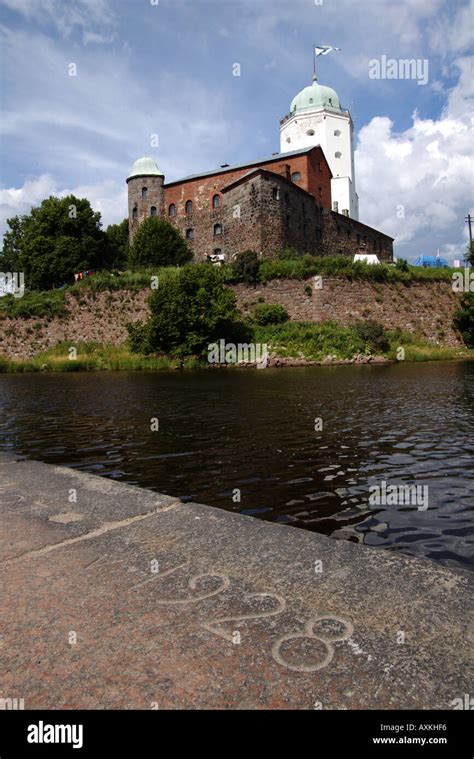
[(163, 71)]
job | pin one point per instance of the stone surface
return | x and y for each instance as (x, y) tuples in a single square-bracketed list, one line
[(424, 308), (140, 602)]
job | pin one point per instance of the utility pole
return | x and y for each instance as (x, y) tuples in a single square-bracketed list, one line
[(469, 219)]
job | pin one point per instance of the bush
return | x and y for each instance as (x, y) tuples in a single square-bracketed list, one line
[(188, 311), (373, 335), (402, 265), (158, 243), (464, 319), (267, 313), (289, 254), (246, 267)]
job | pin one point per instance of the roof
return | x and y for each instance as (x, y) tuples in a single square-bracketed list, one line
[(315, 96), (145, 167), (270, 175), (234, 167)]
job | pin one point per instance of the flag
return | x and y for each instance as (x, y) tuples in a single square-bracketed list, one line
[(324, 49)]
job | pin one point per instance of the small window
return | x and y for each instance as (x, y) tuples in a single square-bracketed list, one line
[(337, 154), (358, 239), (287, 198), (190, 234), (288, 139), (296, 176), (311, 100), (276, 193), (217, 229), (337, 133), (287, 221), (135, 213), (189, 206), (153, 211), (310, 132), (320, 191), (172, 210), (216, 201), (348, 232), (217, 251), (303, 208), (144, 192), (320, 166)]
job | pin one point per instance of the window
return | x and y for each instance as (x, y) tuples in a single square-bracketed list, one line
[(135, 213), (172, 210), (287, 221), (338, 154), (217, 251), (288, 139), (144, 192), (189, 206), (337, 133), (320, 166), (153, 211), (190, 234), (348, 232), (296, 176), (216, 201), (217, 229), (311, 100), (310, 132), (320, 191), (287, 198), (358, 239), (303, 209), (276, 193)]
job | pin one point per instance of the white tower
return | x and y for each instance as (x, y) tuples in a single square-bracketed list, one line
[(316, 118)]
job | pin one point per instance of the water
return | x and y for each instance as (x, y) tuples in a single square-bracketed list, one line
[(253, 431)]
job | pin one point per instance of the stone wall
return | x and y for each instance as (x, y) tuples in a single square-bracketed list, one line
[(424, 308)]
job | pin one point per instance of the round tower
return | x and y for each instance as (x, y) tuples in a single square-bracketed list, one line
[(145, 193)]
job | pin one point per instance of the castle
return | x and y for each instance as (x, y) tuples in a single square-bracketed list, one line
[(303, 197)]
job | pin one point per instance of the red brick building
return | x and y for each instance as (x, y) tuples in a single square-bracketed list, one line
[(267, 205)]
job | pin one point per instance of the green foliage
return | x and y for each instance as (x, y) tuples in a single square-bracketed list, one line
[(464, 319), (58, 238), (117, 241), (246, 267), (44, 305), (402, 265), (288, 254), (269, 313), (470, 254), (373, 335), (158, 243), (314, 341), (188, 311)]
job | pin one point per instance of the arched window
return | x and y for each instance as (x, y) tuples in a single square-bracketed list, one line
[(217, 251), (310, 132), (216, 201), (190, 234), (189, 206), (276, 193), (338, 154), (296, 176), (135, 213), (144, 192), (217, 229), (172, 210), (320, 191), (337, 133), (153, 211)]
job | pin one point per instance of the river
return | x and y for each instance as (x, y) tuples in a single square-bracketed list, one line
[(249, 441)]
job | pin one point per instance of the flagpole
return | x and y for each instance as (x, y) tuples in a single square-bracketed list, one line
[(314, 62)]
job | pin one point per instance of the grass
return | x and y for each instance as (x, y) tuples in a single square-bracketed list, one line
[(40, 305), (313, 341), (128, 280), (93, 357), (342, 266)]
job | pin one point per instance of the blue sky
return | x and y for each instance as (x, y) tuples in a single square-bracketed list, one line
[(167, 69)]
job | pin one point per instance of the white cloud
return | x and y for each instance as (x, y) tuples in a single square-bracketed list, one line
[(108, 197), (426, 171), (65, 17)]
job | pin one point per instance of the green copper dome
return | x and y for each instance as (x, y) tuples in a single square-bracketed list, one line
[(315, 96), (145, 167)]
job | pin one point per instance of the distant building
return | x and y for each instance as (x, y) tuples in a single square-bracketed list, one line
[(435, 261), (303, 197)]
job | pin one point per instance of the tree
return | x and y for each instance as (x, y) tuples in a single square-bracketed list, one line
[(158, 243), (118, 248), (470, 253), (56, 239), (190, 309)]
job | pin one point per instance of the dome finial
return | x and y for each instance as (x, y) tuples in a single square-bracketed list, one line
[(315, 78)]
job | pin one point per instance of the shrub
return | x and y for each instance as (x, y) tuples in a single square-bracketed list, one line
[(464, 319), (189, 311), (246, 267), (373, 335), (402, 265), (270, 313)]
